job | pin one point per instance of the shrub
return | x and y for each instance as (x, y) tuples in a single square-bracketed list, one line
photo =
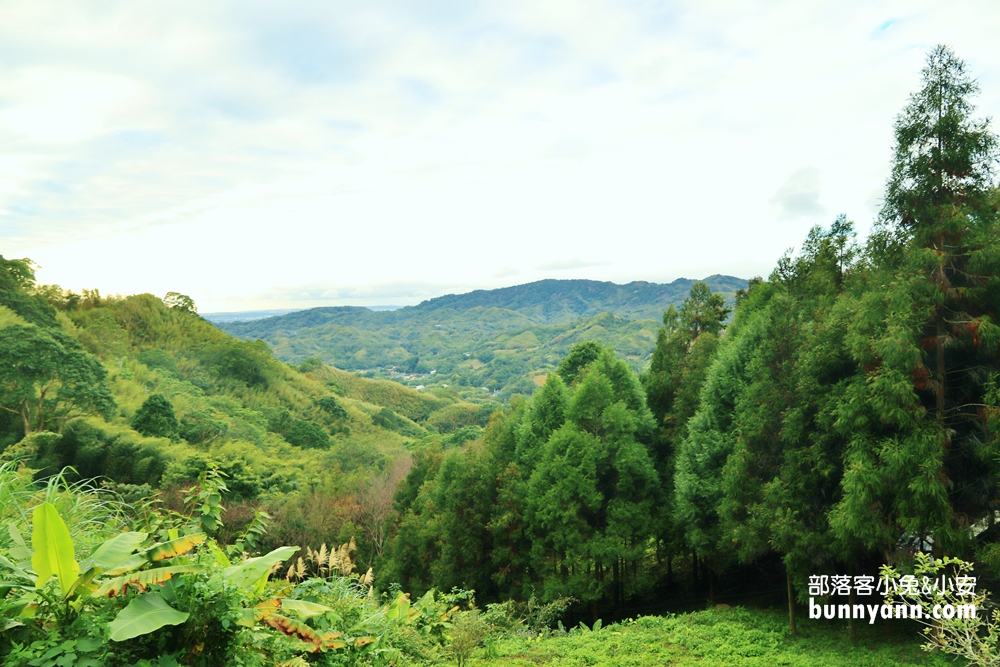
[(156, 418), (307, 435)]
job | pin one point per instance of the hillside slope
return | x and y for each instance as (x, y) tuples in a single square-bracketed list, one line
[(233, 404)]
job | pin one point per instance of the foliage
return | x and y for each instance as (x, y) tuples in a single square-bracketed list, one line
[(975, 637), (135, 600), (556, 494), (17, 278), (46, 379), (156, 418), (721, 638), (495, 339), (922, 329), (181, 302)]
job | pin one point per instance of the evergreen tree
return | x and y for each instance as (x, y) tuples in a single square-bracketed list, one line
[(580, 356), (783, 474), (546, 414), (703, 311), (686, 345), (591, 496), (921, 457)]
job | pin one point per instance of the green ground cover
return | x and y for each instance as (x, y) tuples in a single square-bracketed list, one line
[(724, 638)]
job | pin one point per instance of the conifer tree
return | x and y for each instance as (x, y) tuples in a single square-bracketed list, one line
[(591, 495), (921, 458)]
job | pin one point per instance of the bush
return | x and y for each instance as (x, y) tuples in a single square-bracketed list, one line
[(97, 450), (462, 436), (307, 435), (155, 358), (236, 360), (311, 364), (329, 405), (156, 418), (455, 416)]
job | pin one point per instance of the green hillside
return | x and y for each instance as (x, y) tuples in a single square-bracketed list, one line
[(148, 394), (499, 339)]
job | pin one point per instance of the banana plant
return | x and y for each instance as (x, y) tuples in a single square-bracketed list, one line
[(120, 563), (114, 566)]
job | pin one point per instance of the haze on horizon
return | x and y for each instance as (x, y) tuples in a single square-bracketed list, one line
[(263, 156)]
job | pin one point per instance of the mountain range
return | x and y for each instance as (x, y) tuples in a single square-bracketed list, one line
[(501, 339)]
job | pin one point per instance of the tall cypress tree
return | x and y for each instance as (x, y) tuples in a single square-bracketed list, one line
[(921, 458)]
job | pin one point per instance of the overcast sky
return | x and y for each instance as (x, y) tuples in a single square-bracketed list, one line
[(292, 154)]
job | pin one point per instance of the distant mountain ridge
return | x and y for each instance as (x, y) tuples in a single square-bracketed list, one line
[(501, 339), (549, 301), (561, 301)]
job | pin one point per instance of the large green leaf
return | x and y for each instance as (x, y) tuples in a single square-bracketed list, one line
[(130, 564), (85, 582), (117, 549), (175, 547), (252, 570), (142, 580), (304, 608), (53, 548), (144, 614)]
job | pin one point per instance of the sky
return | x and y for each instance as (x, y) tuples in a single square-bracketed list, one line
[(258, 155)]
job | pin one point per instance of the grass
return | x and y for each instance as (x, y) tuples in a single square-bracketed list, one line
[(91, 514), (724, 638)]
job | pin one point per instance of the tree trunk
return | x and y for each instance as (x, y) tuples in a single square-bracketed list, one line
[(615, 584), (791, 601), (694, 569), (711, 586), (940, 370), (27, 424), (670, 569), (940, 334)]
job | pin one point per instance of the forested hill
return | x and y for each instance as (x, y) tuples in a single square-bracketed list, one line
[(540, 302), (504, 340), (562, 301), (145, 393)]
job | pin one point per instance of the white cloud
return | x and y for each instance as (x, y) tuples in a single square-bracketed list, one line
[(798, 197), (251, 146)]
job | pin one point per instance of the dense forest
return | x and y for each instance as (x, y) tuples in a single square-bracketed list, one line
[(837, 416), (503, 341), (847, 413)]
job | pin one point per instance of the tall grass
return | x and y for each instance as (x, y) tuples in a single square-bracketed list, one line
[(92, 514)]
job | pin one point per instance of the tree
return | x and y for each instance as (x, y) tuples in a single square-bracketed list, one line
[(18, 292), (332, 407), (783, 474), (374, 502), (47, 379), (703, 311), (591, 495), (711, 437), (156, 418), (311, 364), (686, 345), (579, 357), (181, 302), (923, 329), (308, 435), (546, 414)]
